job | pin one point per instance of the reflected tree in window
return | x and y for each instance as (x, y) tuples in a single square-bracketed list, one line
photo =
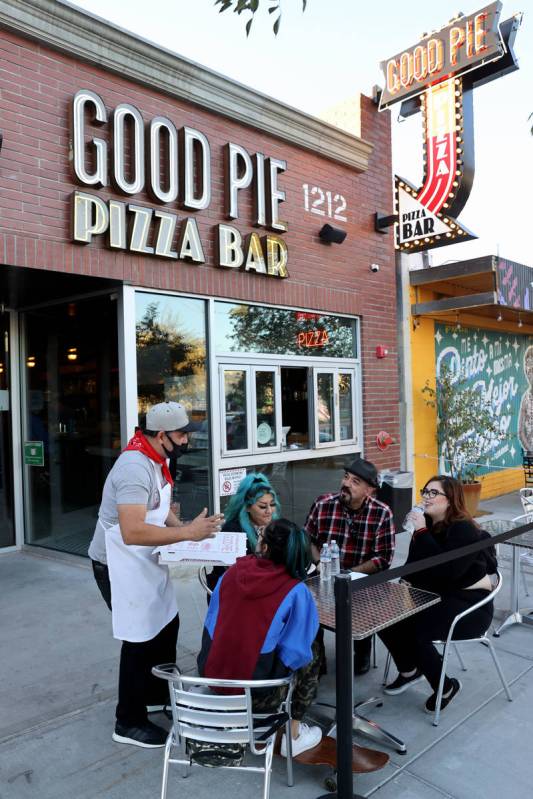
[(276, 330), (170, 362)]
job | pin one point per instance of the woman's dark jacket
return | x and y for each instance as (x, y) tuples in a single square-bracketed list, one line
[(454, 575)]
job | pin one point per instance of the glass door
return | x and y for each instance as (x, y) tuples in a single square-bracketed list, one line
[(71, 427), (7, 525)]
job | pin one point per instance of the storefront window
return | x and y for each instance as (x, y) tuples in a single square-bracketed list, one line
[(171, 365), (235, 407), (298, 483), (325, 408), (254, 328), (265, 408), (346, 404)]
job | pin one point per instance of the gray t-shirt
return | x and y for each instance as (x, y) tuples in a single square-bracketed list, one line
[(131, 481)]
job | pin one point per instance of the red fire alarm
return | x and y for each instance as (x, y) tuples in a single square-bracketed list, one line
[(384, 440), (381, 351)]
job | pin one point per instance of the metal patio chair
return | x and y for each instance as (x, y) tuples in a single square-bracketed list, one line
[(202, 578), (224, 724)]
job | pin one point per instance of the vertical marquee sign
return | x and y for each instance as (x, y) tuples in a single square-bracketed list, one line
[(436, 77)]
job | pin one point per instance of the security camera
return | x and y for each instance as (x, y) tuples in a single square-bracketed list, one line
[(374, 267)]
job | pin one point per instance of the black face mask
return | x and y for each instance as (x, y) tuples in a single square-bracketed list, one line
[(177, 449)]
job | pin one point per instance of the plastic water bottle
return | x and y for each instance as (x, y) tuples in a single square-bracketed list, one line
[(335, 558), (408, 526), (325, 564)]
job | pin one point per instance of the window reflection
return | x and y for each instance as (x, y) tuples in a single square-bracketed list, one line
[(254, 328), (235, 405), (171, 365), (345, 406), (266, 415), (326, 422)]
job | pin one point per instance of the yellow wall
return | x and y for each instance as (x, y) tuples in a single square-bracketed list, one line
[(424, 417)]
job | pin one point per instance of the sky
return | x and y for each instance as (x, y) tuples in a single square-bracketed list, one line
[(331, 52)]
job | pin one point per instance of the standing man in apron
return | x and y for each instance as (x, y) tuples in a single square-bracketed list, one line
[(135, 517)]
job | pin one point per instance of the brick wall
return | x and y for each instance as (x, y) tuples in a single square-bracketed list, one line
[(36, 90)]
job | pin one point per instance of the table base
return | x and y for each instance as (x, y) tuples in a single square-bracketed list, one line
[(520, 617)]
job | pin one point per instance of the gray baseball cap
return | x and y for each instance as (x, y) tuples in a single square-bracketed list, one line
[(169, 416)]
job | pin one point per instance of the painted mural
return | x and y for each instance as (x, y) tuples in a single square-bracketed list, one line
[(500, 366)]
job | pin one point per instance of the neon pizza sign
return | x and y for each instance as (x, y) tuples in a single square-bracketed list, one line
[(436, 77)]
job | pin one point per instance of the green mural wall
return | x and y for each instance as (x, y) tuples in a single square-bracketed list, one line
[(500, 367)]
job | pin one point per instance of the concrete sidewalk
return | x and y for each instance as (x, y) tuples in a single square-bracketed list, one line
[(57, 698)]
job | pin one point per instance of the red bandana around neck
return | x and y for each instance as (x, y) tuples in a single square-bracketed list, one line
[(140, 443)]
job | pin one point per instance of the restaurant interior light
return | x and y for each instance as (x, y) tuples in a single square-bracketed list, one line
[(72, 353), (30, 361)]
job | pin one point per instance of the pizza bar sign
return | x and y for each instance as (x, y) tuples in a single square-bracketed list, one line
[(460, 46), (174, 167), (437, 77)]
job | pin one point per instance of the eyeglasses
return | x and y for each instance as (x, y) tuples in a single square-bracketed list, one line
[(431, 493)]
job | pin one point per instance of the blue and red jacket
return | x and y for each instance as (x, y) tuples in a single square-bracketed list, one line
[(260, 624)]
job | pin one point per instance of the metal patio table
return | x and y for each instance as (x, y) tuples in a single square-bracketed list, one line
[(495, 527), (373, 609)]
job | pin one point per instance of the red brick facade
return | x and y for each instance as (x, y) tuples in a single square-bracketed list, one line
[(36, 90)]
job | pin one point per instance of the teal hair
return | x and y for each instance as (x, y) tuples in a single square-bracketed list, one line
[(288, 545), (251, 489)]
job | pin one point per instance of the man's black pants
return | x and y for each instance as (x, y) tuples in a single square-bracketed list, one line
[(410, 641), (101, 575), (137, 687)]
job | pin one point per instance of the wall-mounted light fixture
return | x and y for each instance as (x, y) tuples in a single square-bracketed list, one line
[(499, 317), (457, 322), (416, 322), (30, 361), (330, 234), (72, 354), (520, 323)]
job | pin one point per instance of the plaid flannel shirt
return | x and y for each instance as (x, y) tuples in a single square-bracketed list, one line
[(363, 534)]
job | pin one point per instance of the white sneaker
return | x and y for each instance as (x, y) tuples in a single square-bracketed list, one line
[(308, 738)]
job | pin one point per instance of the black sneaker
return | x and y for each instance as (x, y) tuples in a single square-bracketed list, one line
[(147, 735), (432, 701), (402, 683)]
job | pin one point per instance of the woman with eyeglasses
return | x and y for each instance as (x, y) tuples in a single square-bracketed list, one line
[(262, 623), (444, 525), (249, 511)]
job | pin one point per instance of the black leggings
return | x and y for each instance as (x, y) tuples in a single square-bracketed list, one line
[(410, 641)]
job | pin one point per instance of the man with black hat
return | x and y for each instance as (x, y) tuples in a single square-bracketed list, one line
[(362, 527), (134, 518)]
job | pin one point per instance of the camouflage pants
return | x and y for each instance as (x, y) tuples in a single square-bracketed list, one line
[(305, 688)]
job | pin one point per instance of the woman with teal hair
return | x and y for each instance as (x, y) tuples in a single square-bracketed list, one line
[(249, 511)]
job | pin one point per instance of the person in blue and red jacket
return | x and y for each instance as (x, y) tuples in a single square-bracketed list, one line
[(262, 623)]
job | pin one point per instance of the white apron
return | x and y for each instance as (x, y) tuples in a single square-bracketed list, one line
[(142, 596)]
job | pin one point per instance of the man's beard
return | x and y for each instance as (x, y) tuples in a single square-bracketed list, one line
[(345, 497)]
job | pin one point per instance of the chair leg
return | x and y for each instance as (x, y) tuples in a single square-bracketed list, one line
[(387, 668), (374, 658), (268, 768), (499, 669), (459, 657), (441, 686), (288, 741), (164, 781)]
